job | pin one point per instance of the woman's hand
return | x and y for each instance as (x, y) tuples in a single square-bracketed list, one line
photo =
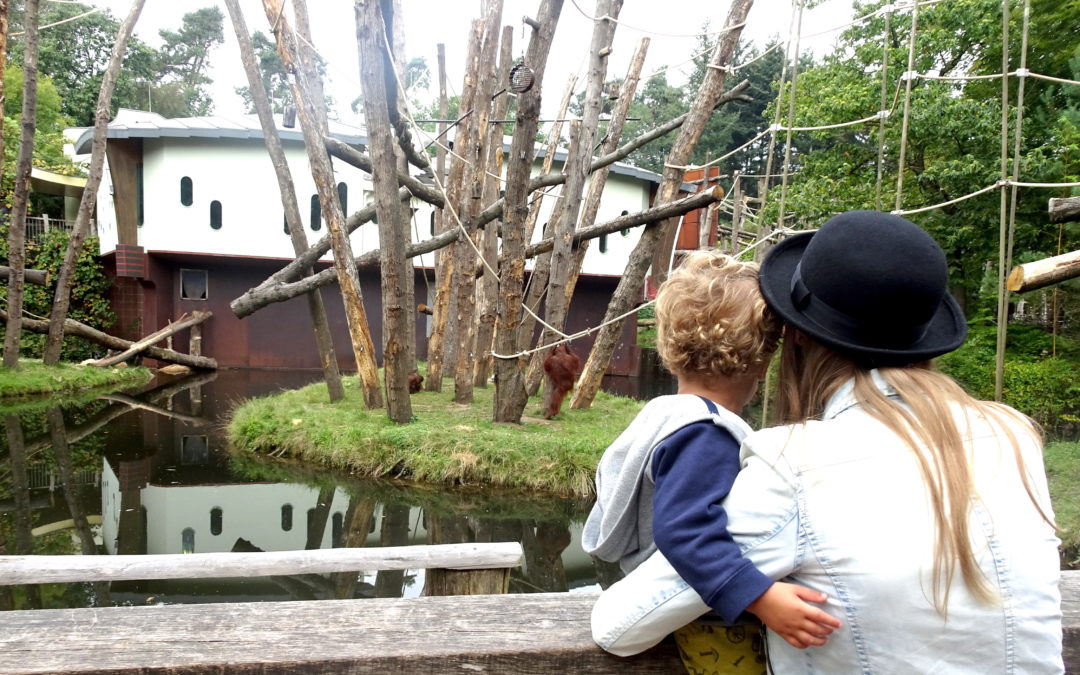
[(784, 609)]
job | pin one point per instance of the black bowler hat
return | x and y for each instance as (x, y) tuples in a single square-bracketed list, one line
[(870, 285)]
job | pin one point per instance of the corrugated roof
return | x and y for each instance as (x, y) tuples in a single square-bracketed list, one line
[(143, 124)]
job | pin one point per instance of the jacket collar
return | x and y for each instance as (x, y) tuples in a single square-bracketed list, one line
[(844, 398)]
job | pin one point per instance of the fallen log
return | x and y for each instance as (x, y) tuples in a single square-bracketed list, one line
[(73, 327), (1064, 209), (1033, 275), (157, 336), (39, 277), (263, 295)]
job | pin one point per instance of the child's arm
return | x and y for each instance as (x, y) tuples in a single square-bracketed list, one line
[(784, 609)]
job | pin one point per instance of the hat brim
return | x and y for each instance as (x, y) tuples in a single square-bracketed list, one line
[(947, 329)]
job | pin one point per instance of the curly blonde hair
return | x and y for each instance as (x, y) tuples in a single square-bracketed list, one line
[(711, 319)]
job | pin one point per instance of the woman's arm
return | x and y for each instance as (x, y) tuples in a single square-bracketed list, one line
[(652, 601)]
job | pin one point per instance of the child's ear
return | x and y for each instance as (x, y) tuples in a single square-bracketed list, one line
[(801, 339)]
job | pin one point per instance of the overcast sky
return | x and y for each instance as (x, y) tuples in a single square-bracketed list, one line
[(429, 22)]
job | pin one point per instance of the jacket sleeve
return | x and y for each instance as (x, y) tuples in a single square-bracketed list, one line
[(694, 470), (653, 600), (640, 610)]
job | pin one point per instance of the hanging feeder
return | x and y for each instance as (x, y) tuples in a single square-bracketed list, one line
[(521, 78)]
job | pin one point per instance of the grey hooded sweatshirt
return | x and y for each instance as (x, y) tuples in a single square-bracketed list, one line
[(620, 525)]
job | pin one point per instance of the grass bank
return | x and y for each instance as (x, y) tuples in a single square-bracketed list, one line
[(448, 444), (1063, 470), (33, 378)]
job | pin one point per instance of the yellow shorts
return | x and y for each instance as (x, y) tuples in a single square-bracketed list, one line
[(714, 649)]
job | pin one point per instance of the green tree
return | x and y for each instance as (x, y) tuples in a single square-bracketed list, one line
[(48, 139), (954, 135), (74, 55), (274, 77), (183, 60)]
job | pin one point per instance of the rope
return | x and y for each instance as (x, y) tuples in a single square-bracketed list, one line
[(57, 23), (907, 107), (790, 117), (612, 19), (881, 106)]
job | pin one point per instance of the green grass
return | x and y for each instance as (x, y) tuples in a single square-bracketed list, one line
[(447, 444), (33, 378), (1063, 471)]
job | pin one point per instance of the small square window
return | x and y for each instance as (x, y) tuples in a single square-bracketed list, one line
[(194, 450), (193, 284)]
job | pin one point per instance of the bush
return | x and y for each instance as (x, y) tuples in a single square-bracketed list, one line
[(89, 292), (1044, 387)]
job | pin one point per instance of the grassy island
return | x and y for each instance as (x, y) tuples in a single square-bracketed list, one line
[(459, 445), (449, 443), (35, 379)]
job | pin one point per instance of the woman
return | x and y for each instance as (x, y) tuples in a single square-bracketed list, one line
[(922, 514)]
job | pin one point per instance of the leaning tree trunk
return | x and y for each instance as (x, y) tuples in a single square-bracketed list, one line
[(474, 149), (376, 78), (323, 338), (489, 284), (628, 292), (62, 296), (308, 94), (510, 396), (598, 180), (17, 223), (578, 160), (444, 328)]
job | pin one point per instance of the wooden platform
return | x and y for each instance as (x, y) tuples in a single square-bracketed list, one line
[(538, 633)]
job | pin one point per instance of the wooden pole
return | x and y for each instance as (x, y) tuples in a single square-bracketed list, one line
[(489, 283), (377, 78), (474, 149), (66, 278), (1033, 275), (628, 292), (21, 197), (307, 92), (316, 309), (510, 396), (50, 569), (281, 291)]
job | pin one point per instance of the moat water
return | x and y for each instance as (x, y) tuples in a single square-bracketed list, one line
[(149, 472)]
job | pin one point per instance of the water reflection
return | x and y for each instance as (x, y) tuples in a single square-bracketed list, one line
[(148, 472)]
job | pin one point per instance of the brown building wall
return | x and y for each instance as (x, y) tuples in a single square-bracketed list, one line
[(280, 335)]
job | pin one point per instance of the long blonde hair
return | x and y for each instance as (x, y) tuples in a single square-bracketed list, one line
[(810, 373)]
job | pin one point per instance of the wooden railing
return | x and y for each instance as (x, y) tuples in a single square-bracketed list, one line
[(523, 633), (37, 226)]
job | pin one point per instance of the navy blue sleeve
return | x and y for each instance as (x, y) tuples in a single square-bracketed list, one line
[(693, 470)]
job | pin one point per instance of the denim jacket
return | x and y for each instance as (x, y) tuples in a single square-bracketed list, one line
[(839, 505)]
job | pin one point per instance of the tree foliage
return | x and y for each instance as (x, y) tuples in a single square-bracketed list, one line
[(89, 294), (171, 80), (953, 136)]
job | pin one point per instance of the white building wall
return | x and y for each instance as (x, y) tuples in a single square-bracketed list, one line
[(250, 511), (238, 174)]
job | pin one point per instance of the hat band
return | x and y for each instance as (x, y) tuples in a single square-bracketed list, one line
[(850, 329)]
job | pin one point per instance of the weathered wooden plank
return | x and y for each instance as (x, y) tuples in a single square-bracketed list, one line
[(533, 633), (65, 568)]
